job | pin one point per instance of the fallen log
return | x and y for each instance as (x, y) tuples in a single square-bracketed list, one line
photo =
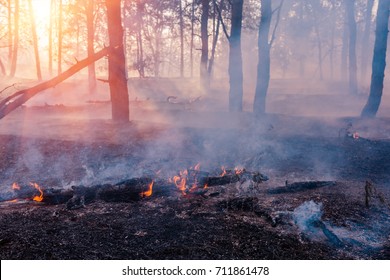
[(9, 104), (301, 186)]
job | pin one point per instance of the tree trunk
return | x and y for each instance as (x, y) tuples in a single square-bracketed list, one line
[(16, 40), (90, 47), (205, 43), (35, 41), (379, 60), (9, 30), (319, 43), (215, 38), (366, 41), (10, 103), (181, 39), (352, 67), (59, 65), (50, 45), (192, 37), (140, 48), (235, 58), (263, 66), (116, 63), (344, 51)]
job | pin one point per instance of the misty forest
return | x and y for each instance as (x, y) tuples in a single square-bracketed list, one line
[(194, 129)]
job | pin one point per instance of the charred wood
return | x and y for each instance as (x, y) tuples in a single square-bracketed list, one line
[(301, 186)]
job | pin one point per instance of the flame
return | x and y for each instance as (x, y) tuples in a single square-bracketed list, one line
[(223, 171), (15, 186), (37, 187), (180, 182), (149, 191)]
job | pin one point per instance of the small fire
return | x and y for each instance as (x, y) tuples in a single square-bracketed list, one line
[(149, 191), (224, 172), (355, 135), (15, 186), (37, 187), (180, 182)]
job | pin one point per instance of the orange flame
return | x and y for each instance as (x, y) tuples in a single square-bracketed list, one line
[(37, 187), (180, 183), (223, 171), (149, 191), (15, 186)]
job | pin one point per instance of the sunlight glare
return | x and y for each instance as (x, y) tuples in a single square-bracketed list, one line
[(41, 10)]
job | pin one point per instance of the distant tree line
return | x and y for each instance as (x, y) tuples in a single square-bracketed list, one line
[(322, 39)]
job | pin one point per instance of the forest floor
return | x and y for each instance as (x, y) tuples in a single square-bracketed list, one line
[(60, 146)]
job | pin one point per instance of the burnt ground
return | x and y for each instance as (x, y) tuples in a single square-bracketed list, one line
[(235, 221)]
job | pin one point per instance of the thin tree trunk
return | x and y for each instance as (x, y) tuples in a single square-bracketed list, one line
[(140, 48), (59, 66), (50, 45), (205, 43), (181, 39), (22, 96), (10, 37), (16, 40), (116, 63), (319, 44), (263, 66), (90, 48), (192, 38), (352, 66), (379, 60), (215, 38), (366, 41), (235, 58), (35, 41), (344, 50)]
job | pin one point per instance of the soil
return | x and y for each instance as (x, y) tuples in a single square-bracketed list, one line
[(56, 148)]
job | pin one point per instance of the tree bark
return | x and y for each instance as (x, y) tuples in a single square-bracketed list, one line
[(192, 37), (366, 41), (235, 58), (116, 63), (16, 40), (22, 96), (379, 60), (215, 38), (352, 66), (59, 65), (264, 61), (205, 43), (50, 45), (181, 22), (91, 39), (35, 41)]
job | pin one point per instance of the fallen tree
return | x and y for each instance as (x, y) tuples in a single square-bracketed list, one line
[(19, 98)]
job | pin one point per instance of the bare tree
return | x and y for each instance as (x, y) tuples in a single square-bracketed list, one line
[(235, 58), (264, 59), (35, 41), (379, 60), (205, 43), (116, 63), (352, 66), (60, 36), (16, 40), (89, 10), (366, 40)]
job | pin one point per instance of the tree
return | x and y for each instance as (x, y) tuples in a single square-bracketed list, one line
[(205, 43), (16, 40), (235, 58), (366, 40), (35, 41), (352, 66), (379, 60), (116, 63), (264, 59), (263, 66), (89, 10)]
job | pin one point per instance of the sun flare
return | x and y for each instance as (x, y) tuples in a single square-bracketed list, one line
[(41, 10)]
